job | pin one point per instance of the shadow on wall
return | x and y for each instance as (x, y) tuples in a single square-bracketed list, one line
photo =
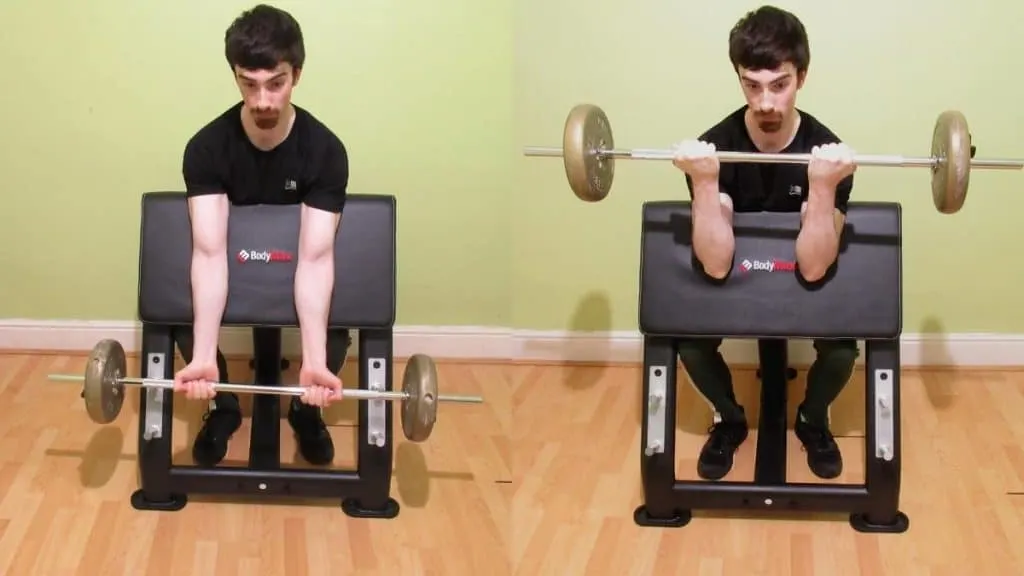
[(934, 351), (591, 323), (593, 314)]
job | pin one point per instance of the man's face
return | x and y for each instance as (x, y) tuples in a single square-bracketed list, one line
[(267, 93), (771, 94)]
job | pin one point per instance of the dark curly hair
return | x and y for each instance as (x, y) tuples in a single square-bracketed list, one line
[(263, 37), (767, 38)]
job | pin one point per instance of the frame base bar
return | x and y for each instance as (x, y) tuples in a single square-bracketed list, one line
[(693, 495), (243, 481)]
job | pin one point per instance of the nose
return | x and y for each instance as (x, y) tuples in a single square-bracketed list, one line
[(262, 99)]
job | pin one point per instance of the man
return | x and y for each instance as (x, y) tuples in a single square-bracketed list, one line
[(265, 150), (769, 51)]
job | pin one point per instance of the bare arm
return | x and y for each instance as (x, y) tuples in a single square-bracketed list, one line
[(314, 281), (713, 240), (821, 224), (209, 215)]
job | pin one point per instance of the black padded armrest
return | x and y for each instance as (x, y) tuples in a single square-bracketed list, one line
[(262, 255), (764, 295)]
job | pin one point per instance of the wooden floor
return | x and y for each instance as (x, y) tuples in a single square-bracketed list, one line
[(541, 479), (65, 485)]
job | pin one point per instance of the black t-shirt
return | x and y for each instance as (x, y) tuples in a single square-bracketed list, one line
[(769, 187), (310, 166)]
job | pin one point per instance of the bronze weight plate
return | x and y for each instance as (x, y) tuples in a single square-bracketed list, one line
[(419, 409), (104, 394), (951, 146), (587, 130)]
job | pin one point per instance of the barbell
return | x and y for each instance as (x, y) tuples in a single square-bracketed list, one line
[(589, 154), (105, 381)]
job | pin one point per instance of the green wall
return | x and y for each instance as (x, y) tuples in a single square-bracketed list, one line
[(435, 101)]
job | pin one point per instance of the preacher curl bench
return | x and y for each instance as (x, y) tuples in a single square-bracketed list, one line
[(262, 254), (764, 298)]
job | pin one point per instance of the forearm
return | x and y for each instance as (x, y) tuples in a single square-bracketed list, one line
[(713, 240), (817, 244), (209, 297), (314, 284)]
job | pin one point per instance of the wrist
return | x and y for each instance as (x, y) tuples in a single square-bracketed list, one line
[(821, 199), (704, 184), (314, 351), (205, 355), (313, 361)]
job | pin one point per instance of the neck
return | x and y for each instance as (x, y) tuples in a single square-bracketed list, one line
[(774, 142), (269, 139)]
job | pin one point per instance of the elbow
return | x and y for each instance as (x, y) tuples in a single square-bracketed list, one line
[(717, 272), (317, 253), (813, 274), (207, 249), (814, 271), (209, 244), (715, 264)]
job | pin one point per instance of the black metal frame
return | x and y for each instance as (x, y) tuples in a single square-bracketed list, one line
[(365, 491), (873, 506)]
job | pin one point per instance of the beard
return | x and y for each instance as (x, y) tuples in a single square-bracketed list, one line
[(266, 121), (769, 124)]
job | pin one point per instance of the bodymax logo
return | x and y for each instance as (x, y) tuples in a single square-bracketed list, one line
[(773, 265), (264, 256)]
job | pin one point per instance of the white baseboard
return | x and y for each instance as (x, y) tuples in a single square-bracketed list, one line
[(973, 349), (487, 343), (449, 342)]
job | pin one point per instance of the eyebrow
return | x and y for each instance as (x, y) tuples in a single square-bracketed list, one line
[(272, 78), (785, 76)]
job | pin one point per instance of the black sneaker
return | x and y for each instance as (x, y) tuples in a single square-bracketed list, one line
[(716, 457), (211, 444), (315, 443), (823, 456)]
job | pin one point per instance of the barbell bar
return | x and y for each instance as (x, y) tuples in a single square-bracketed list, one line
[(105, 381), (589, 154)]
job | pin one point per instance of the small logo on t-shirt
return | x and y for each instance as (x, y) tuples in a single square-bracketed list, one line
[(290, 185), (795, 190)]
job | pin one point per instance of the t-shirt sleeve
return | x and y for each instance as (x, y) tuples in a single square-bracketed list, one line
[(199, 170), (329, 183)]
